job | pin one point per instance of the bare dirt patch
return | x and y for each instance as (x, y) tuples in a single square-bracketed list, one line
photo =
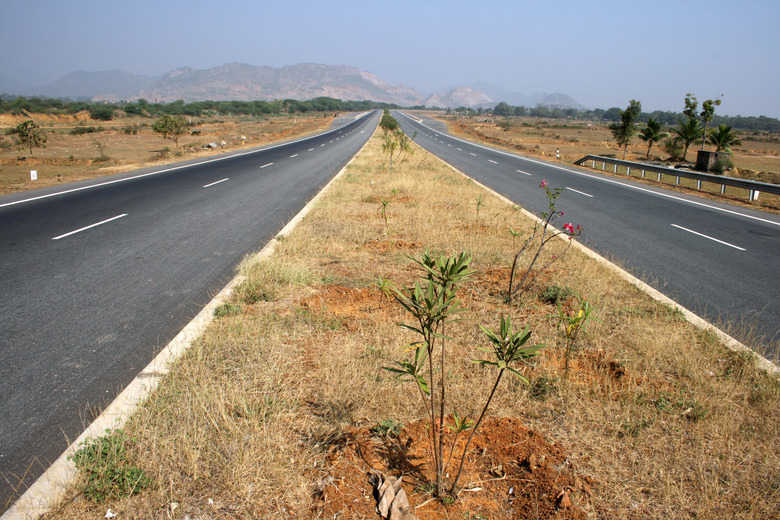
[(513, 473)]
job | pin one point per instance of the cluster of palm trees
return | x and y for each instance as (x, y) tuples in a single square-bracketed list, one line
[(687, 132)]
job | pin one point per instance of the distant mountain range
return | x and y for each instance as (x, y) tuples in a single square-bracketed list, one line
[(242, 82)]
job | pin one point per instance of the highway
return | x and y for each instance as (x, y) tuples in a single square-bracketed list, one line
[(97, 277), (718, 260)]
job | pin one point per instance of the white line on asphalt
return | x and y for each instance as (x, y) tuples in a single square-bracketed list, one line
[(165, 170), (472, 153), (524, 173), (619, 183), (89, 227), (460, 149), (215, 183), (311, 149), (296, 155), (323, 144), (491, 160), (266, 165), (708, 237), (580, 192)]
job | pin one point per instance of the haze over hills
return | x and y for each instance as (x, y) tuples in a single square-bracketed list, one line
[(243, 82)]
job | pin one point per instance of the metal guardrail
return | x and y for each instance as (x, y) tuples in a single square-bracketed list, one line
[(753, 187)]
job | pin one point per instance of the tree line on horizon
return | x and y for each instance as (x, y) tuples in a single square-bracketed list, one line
[(613, 115), (105, 111)]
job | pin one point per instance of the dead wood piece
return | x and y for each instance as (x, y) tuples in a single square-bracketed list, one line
[(392, 502)]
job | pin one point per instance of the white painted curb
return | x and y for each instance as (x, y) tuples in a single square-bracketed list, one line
[(49, 490)]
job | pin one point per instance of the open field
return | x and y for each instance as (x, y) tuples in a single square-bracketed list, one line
[(757, 158), (128, 143), (283, 407)]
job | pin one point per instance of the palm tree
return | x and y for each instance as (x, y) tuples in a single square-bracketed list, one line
[(652, 133), (688, 131), (723, 138)]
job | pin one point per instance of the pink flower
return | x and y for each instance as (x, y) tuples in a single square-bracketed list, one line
[(561, 213), (569, 228), (543, 184)]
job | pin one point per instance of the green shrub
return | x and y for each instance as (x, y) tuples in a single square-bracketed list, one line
[(104, 462), (81, 130), (101, 112), (722, 165)]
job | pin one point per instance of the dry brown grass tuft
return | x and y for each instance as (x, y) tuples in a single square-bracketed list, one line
[(659, 417)]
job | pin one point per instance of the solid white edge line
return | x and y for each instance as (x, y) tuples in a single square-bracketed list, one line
[(96, 224), (611, 181), (692, 318), (215, 183), (46, 492), (174, 168), (709, 237), (580, 192)]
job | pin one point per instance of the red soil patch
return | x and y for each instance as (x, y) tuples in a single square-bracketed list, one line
[(348, 305), (511, 472)]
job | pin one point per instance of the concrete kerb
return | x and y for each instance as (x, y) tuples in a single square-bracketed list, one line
[(696, 320), (49, 490)]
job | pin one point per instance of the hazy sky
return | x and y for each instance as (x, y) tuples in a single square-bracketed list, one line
[(602, 53)]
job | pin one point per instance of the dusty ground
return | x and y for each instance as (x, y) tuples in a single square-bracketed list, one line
[(757, 158), (128, 143)]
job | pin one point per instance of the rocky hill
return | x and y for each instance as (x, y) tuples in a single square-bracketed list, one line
[(243, 82)]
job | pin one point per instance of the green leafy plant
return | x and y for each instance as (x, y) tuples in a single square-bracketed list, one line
[(542, 233), (388, 428), (394, 139), (432, 305), (571, 323), (383, 211), (625, 130), (554, 294), (171, 127), (508, 348), (29, 135), (105, 464)]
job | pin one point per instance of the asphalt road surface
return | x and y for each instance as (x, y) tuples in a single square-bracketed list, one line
[(97, 277), (718, 260)]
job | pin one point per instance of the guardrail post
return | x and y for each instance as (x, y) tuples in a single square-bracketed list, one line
[(604, 165), (722, 189), (754, 195), (659, 176), (594, 164), (677, 182), (643, 174), (628, 170), (615, 168)]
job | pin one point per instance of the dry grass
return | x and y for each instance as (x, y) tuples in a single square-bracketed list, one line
[(664, 421), (69, 157), (758, 158)]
